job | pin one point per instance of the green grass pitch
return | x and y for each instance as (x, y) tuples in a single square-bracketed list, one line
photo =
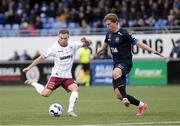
[(97, 106)]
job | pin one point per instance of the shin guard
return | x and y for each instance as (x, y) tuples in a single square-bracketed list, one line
[(121, 86)]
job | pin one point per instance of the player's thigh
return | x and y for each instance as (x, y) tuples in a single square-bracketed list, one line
[(46, 92), (117, 72), (73, 87), (51, 85)]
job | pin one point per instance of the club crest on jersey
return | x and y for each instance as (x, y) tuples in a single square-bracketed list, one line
[(109, 37), (117, 39)]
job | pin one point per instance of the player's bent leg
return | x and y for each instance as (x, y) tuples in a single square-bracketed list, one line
[(120, 86), (118, 81), (73, 87), (39, 87), (133, 100), (46, 92), (141, 105), (117, 72), (51, 85), (118, 95), (73, 99)]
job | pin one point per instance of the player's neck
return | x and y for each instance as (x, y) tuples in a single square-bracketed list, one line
[(115, 30)]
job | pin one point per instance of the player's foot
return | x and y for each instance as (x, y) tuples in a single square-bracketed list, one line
[(72, 114), (142, 109), (126, 102), (28, 82)]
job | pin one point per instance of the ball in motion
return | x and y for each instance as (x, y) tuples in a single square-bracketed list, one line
[(55, 110)]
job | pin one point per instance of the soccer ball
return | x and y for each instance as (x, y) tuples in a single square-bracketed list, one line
[(55, 109)]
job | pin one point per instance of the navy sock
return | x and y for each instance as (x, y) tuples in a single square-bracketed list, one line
[(133, 100), (121, 86)]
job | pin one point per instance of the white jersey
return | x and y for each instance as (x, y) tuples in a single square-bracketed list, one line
[(63, 58)]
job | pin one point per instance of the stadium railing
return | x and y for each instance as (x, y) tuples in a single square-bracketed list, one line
[(91, 31)]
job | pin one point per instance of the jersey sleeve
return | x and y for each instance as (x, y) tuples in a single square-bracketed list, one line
[(106, 39), (77, 45), (130, 37), (133, 40), (50, 52)]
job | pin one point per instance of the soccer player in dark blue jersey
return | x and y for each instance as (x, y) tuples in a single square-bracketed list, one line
[(120, 43)]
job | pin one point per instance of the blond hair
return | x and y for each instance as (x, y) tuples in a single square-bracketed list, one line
[(112, 17)]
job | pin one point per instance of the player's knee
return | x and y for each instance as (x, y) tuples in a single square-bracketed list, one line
[(73, 87), (76, 88), (116, 74), (45, 93)]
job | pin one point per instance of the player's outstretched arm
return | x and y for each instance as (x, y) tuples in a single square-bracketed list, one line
[(101, 49), (85, 42), (34, 63), (146, 47)]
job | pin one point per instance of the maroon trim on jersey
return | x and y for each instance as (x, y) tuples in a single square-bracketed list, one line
[(55, 82)]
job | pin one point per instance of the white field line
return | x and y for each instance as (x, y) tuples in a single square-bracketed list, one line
[(166, 123)]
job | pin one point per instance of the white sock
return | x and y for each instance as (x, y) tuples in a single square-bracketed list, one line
[(141, 104), (72, 100), (39, 87)]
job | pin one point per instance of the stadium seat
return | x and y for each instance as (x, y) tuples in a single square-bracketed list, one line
[(59, 25), (43, 32), (7, 27), (75, 29), (1, 27), (15, 26)]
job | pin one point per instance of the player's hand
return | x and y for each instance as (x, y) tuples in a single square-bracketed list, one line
[(100, 51), (157, 53), (26, 69)]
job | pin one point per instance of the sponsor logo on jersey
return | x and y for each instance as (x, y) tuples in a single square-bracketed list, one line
[(60, 51), (114, 50), (66, 57)]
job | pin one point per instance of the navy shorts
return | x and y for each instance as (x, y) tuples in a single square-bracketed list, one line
[(126, 68)]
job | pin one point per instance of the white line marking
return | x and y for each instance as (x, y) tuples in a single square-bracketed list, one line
[(117, 124), (136, 123)]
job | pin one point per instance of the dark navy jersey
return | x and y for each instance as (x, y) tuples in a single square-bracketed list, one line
[(120, 45)]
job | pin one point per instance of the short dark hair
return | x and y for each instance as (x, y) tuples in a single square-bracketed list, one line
[(64, 31), (112, 17)]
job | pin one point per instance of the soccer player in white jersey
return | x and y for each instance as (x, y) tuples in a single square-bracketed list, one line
[(63, 54)]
